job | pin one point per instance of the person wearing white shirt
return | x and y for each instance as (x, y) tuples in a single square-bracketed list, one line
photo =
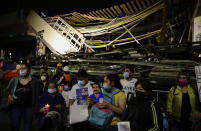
[(82, 86), (79, 96), (65, 93), (128, 83)]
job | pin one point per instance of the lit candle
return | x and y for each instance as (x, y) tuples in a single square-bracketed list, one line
[(47, 108)]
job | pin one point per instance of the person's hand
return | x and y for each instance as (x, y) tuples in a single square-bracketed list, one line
[(11, 100), (196, 116), (104, 104), (89, 100), (42, 110), (59, 106), (169, 113)]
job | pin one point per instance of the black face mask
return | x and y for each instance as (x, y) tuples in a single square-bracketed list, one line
[(140, 96)]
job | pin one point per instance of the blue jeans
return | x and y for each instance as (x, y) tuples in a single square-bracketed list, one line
[(17, 113)]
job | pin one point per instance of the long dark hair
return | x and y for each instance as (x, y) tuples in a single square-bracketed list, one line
[(28, 67), (114, 78), (47, 75), (146, 85)]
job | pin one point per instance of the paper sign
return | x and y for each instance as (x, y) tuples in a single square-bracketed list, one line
[(124, 126), (198, 78), (197, 29), (82, 96), (78, 113)]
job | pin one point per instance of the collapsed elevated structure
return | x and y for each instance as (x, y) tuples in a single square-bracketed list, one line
[(74, 32)]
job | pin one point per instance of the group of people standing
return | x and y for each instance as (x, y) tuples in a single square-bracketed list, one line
[(29, 97)]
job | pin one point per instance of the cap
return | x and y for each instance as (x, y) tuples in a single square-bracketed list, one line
[(66, 69), (59, 64)]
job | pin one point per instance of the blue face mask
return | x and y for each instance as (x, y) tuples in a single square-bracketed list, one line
[(106, 87), (51, 91), (81, 82), (126, 75), (23, 73), (66, 87)]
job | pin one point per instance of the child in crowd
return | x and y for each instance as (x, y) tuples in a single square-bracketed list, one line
[(65, 93)]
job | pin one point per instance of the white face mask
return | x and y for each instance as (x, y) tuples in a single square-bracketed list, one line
[(43, 78)]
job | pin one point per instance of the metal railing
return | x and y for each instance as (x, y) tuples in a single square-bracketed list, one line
[(159, 91), (74, 38)]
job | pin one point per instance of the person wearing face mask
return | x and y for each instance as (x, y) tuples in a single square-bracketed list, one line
[(144, 113), (65, 93), (52, 98), (128, 83), (76, 97), (112, 85), (45, 69), (82, 82), (44, 81), (66, 77), (182, 103), (23, 93), (59, 72)]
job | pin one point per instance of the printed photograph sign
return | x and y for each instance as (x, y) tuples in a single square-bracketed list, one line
[(82, 96)]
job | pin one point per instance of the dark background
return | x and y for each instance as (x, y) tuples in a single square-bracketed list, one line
[(13, 36), (51, 8)]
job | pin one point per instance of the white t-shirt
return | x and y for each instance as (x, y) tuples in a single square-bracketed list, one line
[(65, 95), (128, 86), (80, 94)]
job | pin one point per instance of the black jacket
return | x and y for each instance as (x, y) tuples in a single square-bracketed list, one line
[(1, 78), (44, 88), (35, 85), (144, 116)]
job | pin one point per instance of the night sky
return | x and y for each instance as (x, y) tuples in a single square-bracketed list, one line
[(51, 8), (14, 43)]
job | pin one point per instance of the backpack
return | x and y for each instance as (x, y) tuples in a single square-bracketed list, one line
[(102, 118)]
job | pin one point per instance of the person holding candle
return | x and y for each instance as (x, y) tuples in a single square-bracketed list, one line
[(49, 101)]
